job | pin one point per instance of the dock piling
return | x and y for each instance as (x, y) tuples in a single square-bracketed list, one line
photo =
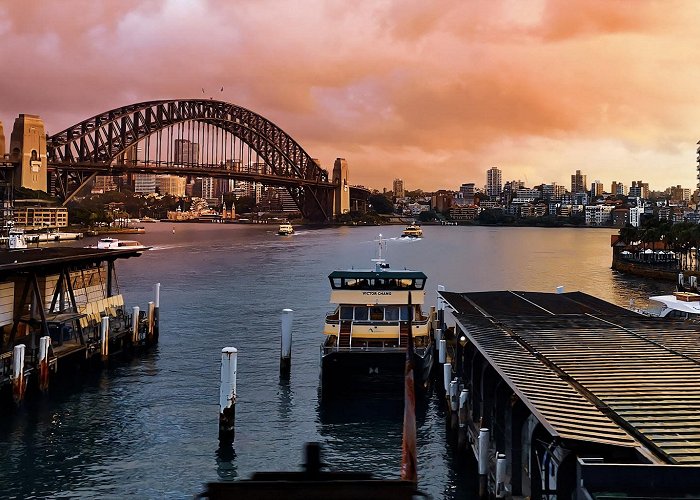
[(442, 352), (156, 311), (227, 394), (560, 289), (286, 344), (18, 384), (135, 336), (500, 475), (462, 435), (104, 338), (446, 377), (441, 308), (454, 404), (483, 461), (44, 343), (151, 321)]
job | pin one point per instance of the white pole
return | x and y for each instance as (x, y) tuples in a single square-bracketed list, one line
[(463, 396), (156, 290), (135, 325), (286, 343), (18, 372), (227, 394), (442, 353), (447, 376), (500, 476), (454, 391), (104, 338), (438, 335), (560, 289), (44, 343), (483, 452)]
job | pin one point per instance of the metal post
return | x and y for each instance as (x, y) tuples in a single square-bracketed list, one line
[(483, 460), (135, 336), (438, 335), (18, 384), (44, 343), (104, 338), (442, 352), (454, 404), (227, 394), (446, 376), (462, 436), (286, 343)]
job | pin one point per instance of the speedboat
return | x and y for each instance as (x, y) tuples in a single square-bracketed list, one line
[(367, 335), (412, 231), (116, 244), (16, 239), (285, 229)]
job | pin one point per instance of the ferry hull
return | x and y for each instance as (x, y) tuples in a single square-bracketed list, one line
[(371, 371)]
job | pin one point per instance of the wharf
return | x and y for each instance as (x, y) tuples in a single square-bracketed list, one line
[(565, 384), (61, 307)]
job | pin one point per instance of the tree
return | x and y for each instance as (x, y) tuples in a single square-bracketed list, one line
[(381, 204)]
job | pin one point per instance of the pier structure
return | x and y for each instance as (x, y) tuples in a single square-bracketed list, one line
[(60, 308), (567, 395)]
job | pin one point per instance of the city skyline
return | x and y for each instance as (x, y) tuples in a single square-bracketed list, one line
[(433, 95)]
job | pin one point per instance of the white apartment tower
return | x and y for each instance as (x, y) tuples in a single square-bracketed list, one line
[(493, 182)]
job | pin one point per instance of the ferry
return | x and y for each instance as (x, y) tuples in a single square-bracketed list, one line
[(285, 229), (413, 231), (367, 334), (114, 244), (679, 305)]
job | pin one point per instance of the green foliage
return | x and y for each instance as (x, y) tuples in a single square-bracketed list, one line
[(381, 204)]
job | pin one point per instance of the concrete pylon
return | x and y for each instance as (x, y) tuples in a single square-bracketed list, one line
[(341, 203), (28, 151)]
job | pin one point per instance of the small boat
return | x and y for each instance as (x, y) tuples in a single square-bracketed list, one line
[(367, 335), (116, 244), (16, 240), (679, 305), (413, 231), (285, 229)]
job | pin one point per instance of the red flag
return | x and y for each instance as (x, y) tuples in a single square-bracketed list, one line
[(409, 469)]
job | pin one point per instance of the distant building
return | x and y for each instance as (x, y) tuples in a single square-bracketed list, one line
[(599, 215), (493, 182), (464, 212), (171, 184), (37, 217), (442, 200), (144, 183), (399, 191), (596, 188), (578, 182), (639, 189), (186, 152), (620, 217), (467, 191), (635, 216)]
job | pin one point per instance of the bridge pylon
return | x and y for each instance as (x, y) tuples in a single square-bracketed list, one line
[(341, 193), (28, 152)]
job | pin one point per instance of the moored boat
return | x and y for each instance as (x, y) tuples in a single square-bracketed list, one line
[(366, 336), (412, 231), (285, 229), (679, 305)]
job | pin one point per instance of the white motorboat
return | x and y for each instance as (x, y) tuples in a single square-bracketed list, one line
[(117, 244)]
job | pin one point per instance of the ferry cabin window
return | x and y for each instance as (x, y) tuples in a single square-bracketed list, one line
[(418, 283), (391, 313), (404, 313), (376, 314), (336, 282), (345, 312), (361, 313)]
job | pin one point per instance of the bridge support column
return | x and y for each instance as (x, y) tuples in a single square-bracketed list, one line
[(28, 152), (341, 203)]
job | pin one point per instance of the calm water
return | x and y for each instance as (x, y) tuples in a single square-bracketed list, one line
[(149, 429)]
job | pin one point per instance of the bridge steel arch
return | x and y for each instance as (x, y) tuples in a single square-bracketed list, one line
[(94, 144)]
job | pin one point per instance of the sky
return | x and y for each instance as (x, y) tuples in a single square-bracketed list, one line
[(431, 92)]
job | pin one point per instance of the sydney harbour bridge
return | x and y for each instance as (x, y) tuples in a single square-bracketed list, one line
[(189, 138)]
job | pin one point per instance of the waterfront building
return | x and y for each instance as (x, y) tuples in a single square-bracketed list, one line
[(144, 183), (529, 210), (464, 212), (578, 182), (399, 191), (171, 184), (493, 182), (40, 217), (467, 191)]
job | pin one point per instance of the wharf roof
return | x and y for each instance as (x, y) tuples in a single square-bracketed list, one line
[(47, 259), (591, 370)]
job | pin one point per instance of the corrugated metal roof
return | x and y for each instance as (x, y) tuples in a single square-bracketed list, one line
[(576, 359)]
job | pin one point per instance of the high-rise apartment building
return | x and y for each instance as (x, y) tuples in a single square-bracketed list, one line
[(578, 182), (399, 191), (639, 189), (596, 188), (467, 191), (493, 182), (144, 183), (186, 152), (171, 184)]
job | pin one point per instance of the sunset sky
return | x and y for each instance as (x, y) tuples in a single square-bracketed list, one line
[(434, 92)]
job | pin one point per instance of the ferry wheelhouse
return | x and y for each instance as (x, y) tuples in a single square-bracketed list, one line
[(366, 336)]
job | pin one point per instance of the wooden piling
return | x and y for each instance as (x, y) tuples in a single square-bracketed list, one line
[(227, 395), (18, 383), (156, 311), (104, 338), (44, 344), (483, 461), (151, 321), (501, 476), (462, 417), (286, 344), (135, 335)]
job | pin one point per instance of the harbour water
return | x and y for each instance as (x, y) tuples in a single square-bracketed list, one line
[(148, 429)]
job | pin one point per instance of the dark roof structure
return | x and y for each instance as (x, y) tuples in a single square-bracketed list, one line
[(590, 370)]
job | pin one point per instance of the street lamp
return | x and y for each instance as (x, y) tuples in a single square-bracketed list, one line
[(460, 355)]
